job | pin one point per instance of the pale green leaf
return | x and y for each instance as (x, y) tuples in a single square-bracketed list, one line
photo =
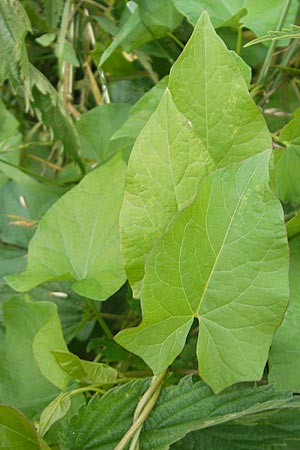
[(85, 371), (192, 132), (55, 411), (14, 26), (68, 54), (49, 338), (223, 260), (96, 127), (159, 14), (46, 39), (22, 384), (287, 163), (16, 431), (78, 238), (179, 410), (284, 362)]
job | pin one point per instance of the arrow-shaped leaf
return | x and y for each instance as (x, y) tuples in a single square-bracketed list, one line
[(205, 120), (223, 261)]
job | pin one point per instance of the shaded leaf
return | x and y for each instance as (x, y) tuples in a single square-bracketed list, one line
[(49, 338), (53, 10), (284, 362), (22, 384), (287, 163), (141, 112), (231, 238), (192, 132), (146, 22), (14, 26), (89, 211), (96, 127), (17, 432)]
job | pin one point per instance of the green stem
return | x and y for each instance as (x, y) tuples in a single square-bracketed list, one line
[(265, 67), (143, 410), (100, 320), (239, 41), (176, 40), (78, 391)]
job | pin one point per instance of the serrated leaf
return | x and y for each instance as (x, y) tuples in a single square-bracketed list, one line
[(192, 132), (266, 431), (179, 410), (82, 236), (22, 385), (53, 113), (287, 163), (17, 432), (108, 118), (55, 411), (53, 9), (14, 26), (224, 261), (85, 371), (284, 362)]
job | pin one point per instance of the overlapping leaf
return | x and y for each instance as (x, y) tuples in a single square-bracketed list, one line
[(224, 261), (287, 163), (21, 382), (179, 410), (284, 363), (78, 238), (204, 121)]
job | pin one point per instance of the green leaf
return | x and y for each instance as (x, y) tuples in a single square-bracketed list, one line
[(284, 363), (85, 371), (14, 26), (81, 232), (287, 161), (46, 39), (147, 22), (49, 338), (53, 9), (55, 411), (258, 18), (22, 385), (96, 127), (179, 410), (10, 138), (17, 432), (274, 429), (191, 133), (54, 115), (231, 238), (293, 226)]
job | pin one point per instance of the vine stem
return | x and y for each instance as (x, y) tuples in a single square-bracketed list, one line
[(100, 320), (143, 409), (267, 61)]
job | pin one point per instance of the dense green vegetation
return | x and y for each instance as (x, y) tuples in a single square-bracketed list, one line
[(149, 225)]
